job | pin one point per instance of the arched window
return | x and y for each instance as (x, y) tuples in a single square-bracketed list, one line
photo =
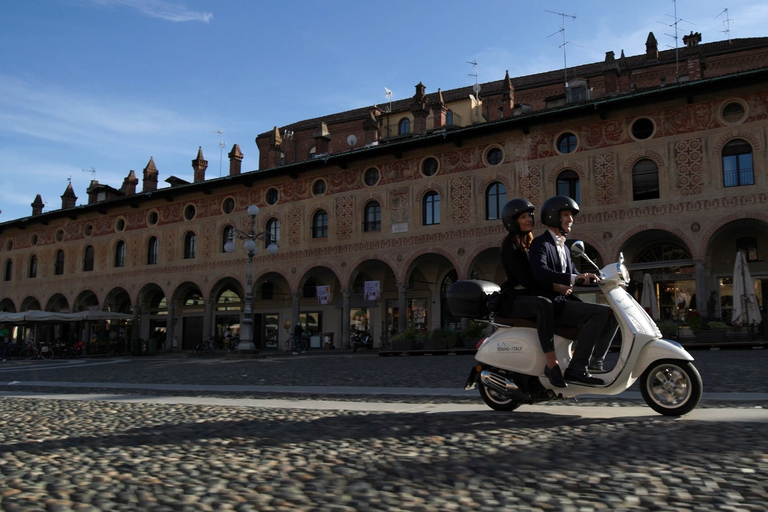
[(33, 266), (568, 185), (737, 164), (372, 221), (320, 224), (645, 180), (431, 208), (58, 266), (495, 199), (449, 118), (88, 259), (120, 254), (8, 270), (190, 245), (404, 126), (152, 246), (227, 234), (273, 228)]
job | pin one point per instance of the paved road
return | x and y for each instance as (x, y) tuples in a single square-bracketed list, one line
[(301, 433)]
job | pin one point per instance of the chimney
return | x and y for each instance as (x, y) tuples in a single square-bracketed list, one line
[(199, 165), (692, 39), (371, 126), (150, 177), (420, 110), (508, 98), (235, 160), (37, 205), (68, 198), (651, 48), (439, 110), (322, 139), (129, 184)]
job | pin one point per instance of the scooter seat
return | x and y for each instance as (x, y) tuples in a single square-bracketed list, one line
[(570, 332)]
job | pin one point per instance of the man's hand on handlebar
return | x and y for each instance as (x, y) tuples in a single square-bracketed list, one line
[(587, 279)]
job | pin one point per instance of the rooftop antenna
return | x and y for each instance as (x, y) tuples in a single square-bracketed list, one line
[(222, 144), (562, 30), (388, 95), (727, 22), (476, 73), (93, 173), (677, 56)]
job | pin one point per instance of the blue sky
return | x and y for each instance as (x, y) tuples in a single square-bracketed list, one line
[(107, 84)]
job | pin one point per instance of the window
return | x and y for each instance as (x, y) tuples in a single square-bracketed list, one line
[(152, 218), (152, 246), (737, 164), (429, 166), (227, 234), (8, 270), (320, 225), (190, 245), (273, 228), (58, 266), (228, 206), (404, 127), (189, 212), (494, 156), (88, 259), (319, 187), (568, 185), (120, 225), (733, 112), (120, 254), (495, 199), (372, 220), (33, 266), (431, 210), (645, 180), (272, 196), (449, 118), (371, 176), (642, 128), (566, 143)]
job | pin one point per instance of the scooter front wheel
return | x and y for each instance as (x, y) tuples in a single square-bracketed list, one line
[(496, 400), (671, 387)]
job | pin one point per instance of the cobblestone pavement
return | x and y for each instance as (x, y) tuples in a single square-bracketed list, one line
[(62, 455)]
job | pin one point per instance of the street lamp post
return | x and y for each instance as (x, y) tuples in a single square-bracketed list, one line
[(246, 345)]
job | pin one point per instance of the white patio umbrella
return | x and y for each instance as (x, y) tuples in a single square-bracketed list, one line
[(648, 299), (746, 310)]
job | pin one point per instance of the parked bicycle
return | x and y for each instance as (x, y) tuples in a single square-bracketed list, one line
[(32, 351), (296, 344), (204, 347)]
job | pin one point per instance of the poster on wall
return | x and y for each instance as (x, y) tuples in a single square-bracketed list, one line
[(372, 290), (324, 294)]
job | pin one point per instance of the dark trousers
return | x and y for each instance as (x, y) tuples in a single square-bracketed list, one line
[(530, 306), (597, 330)]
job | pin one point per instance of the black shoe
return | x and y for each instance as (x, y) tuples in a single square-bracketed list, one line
[(597, 368), (555, 376), (582, 376)]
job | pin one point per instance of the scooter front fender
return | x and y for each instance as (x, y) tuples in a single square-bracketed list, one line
[(656, 350)]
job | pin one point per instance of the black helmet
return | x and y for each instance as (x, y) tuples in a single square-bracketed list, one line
[(512, 210), (550, 210)]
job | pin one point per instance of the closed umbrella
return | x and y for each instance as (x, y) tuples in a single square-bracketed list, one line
[(648, 298), (746, 310)]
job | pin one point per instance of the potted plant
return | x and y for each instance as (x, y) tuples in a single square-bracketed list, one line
[(441, 339), (472, 334), (711, 332), (409, 339), (669, 328)]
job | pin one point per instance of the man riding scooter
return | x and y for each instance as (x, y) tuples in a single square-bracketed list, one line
[(552, 265)]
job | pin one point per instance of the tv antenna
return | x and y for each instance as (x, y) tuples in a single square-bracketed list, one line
[(388, 95), (727, 22), (565, 42), (92, 171), (222, 144), (675, 37), (476, 73)]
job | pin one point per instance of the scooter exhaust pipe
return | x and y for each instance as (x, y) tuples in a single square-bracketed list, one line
[(497, 382)]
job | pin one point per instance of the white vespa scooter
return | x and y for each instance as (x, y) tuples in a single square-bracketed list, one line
[(510, 363)]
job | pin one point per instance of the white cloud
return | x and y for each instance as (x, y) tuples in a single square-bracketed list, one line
[(169, 11)]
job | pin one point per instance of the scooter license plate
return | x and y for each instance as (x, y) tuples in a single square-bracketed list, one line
[(472, 379)]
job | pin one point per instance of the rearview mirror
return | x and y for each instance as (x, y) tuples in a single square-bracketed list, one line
[(577, 249)]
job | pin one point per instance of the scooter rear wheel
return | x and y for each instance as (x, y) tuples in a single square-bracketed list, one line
[(496, 400), (671, 387)]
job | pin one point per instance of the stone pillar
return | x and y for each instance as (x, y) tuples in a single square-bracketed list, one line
[(170, 331), (402, 306), (208, 323), (702, 293), (345, 341)]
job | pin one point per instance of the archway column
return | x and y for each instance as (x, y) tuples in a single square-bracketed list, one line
[(170, 322), (345, 311), (208, 318), (402, 305), (702, 293)]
